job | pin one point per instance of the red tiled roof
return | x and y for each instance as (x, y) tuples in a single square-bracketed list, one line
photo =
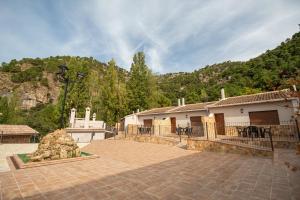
[(254, 98), (192, 107), (17, 130), (156, 111), (174, 109)]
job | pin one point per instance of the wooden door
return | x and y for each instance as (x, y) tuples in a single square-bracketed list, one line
[(148, 122), (220, 123), (173, 124), (197, 126), (269, 117)]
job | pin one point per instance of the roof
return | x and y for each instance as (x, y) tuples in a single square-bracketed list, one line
[(281, 95), (192, 107), (17, 130), (174, 109), (154, 111), (85, 130)]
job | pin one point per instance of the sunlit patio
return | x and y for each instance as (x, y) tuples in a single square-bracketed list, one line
[(131, 170)]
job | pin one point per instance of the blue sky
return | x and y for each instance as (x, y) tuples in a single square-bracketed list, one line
[(175, 35)]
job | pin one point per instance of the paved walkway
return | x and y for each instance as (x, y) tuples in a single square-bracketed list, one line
[(10, 149), (130, 170)]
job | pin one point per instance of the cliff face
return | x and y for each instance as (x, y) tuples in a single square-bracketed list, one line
[(30, 94)]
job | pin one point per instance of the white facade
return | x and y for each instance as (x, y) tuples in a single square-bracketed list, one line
[(87, 136), (240, 113), (85, 129), (131, 119), (234, 110), (182, 118), (85, 122)]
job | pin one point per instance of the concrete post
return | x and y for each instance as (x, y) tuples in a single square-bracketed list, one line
[(94, 117), (72, 117), (87, 117), (222, 94)]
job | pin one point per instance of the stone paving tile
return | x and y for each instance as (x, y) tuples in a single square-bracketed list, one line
[(130, 170)]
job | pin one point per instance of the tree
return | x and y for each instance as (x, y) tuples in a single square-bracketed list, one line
[(78, 90), (4, 110), (139, 85), (114, 98)]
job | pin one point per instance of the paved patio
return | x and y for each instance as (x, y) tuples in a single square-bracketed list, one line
[(130, 170)]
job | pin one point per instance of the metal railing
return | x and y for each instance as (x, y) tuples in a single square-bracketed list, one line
[(237, 133)]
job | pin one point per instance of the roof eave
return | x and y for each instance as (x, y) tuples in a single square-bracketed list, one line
[(255, 102)]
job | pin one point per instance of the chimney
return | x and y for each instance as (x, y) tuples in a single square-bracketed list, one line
[(222, 94), (179, 102), (182, 102), (138, 110), (72, 117), (294, 88), (94, 117), (87, 117)]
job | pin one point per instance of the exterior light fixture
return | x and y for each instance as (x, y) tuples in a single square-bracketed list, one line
[(242, 110)]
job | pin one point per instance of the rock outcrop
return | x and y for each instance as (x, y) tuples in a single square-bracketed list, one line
[(56, 145)]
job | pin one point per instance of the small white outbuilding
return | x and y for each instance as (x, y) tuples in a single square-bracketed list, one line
[(84, 129)]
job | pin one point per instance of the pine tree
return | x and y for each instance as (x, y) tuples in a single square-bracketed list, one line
[(139, 84)]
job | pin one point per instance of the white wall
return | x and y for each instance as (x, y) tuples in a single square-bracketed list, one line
[(181, 118), (81, 137), (86, 137), (233, 114), (130, 119)]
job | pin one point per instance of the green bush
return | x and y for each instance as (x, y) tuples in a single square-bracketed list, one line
[(31, 74), (44, 82)]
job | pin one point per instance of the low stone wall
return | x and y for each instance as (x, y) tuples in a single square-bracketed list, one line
[(151, 139), (215, 146), (284, 144), (278, 131), (132, 129)]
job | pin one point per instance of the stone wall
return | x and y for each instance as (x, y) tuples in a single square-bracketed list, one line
[(131, 129), (152, 139), (215, 146)]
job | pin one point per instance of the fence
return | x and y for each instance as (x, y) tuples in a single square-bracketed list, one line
[(238, 133)]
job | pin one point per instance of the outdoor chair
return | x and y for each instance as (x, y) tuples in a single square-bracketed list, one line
[(252, 131), (242, 131)]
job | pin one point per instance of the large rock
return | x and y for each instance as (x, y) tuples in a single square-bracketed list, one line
[(56, 145)]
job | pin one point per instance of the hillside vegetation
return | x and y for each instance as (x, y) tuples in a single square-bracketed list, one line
[(30, 92), (275, 69)]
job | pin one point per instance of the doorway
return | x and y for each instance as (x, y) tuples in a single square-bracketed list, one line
[(173, 124), (220, 123)]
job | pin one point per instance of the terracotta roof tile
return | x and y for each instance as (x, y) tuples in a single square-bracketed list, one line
[(156, 111), (173, 109), (254, 98), (192, 107), (17, 130)]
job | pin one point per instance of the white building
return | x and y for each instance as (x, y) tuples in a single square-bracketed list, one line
[(267, 108), (84, 129)]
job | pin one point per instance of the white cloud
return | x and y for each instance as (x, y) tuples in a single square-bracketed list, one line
[(175, 35)]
